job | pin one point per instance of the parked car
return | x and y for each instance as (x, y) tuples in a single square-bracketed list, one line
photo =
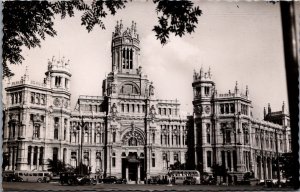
[(121, 181), (110, 179), (68, 178), (12, 178), (82, 180), (189, 181), (153, 180)]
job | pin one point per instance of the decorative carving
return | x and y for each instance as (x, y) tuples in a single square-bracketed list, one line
[(151, 89), (66, 104), (198, 109), (152, 112), (56, 102), (207, 109)]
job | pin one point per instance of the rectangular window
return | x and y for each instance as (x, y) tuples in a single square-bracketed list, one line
[(170, 111), (55, 154), (113, 161), (206, 90), (153, 162), (208, 158)]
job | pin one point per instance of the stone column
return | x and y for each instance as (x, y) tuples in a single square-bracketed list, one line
[(138, 174), (10, 158), (37, 162), (31, 155), (127, 173)]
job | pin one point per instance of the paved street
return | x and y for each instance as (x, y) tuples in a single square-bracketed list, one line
[(118, 187)]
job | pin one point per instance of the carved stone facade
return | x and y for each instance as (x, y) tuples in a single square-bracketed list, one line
[(226, 134), (127, 132)]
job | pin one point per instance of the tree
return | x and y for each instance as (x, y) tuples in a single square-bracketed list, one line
[(286, 164), (26, 23), (57, 166)]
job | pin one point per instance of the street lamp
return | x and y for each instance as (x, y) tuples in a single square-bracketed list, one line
[(82, 126)]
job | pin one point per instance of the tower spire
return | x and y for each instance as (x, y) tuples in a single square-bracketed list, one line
[(236, 87)]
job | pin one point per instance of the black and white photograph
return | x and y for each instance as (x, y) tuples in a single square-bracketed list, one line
[(150, 95)]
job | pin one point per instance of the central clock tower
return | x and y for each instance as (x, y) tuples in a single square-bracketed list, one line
[(125, 49)]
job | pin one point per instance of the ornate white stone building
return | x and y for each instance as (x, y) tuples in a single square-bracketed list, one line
[(226, 134), (127, 132)]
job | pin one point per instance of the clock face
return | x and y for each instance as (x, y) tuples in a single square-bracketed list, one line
[(207, 109)]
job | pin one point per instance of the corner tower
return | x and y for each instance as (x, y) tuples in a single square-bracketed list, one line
[(125, 49), (204, 91)]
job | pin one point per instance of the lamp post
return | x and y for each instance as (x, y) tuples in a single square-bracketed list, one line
[(81, 125)]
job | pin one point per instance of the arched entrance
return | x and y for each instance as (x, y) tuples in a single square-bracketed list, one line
[(133, 155)]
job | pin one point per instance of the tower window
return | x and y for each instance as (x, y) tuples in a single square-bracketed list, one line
[(206, 91)]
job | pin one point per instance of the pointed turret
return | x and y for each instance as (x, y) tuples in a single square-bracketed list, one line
[(236, 88), (265, 113), (283, 107), (269, 108), (247, 90)]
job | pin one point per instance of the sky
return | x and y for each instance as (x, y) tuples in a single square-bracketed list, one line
[(239, 41)]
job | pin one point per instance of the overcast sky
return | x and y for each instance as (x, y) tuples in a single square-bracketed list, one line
[(239, 41)]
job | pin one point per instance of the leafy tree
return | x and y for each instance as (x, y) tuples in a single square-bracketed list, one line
[(26, 23), (57, 166), (178, 166), (286, 164)]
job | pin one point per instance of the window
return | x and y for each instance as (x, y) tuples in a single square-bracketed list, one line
[(232, 109), (12, 98), (113, 162), (153, 159), (133, 108), (41, 155), (56, 125), (206, 91), (208, 158), (138, 108), (32, 98), (153, 138), (55, 154), (29, 155), (114, 137), (226, 108), (208, 133), (222, 108), (35, 152), (175, 157), (228, 136), (36, 131), (122, 107), (170, 111), (159, 111), (128, 108)]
